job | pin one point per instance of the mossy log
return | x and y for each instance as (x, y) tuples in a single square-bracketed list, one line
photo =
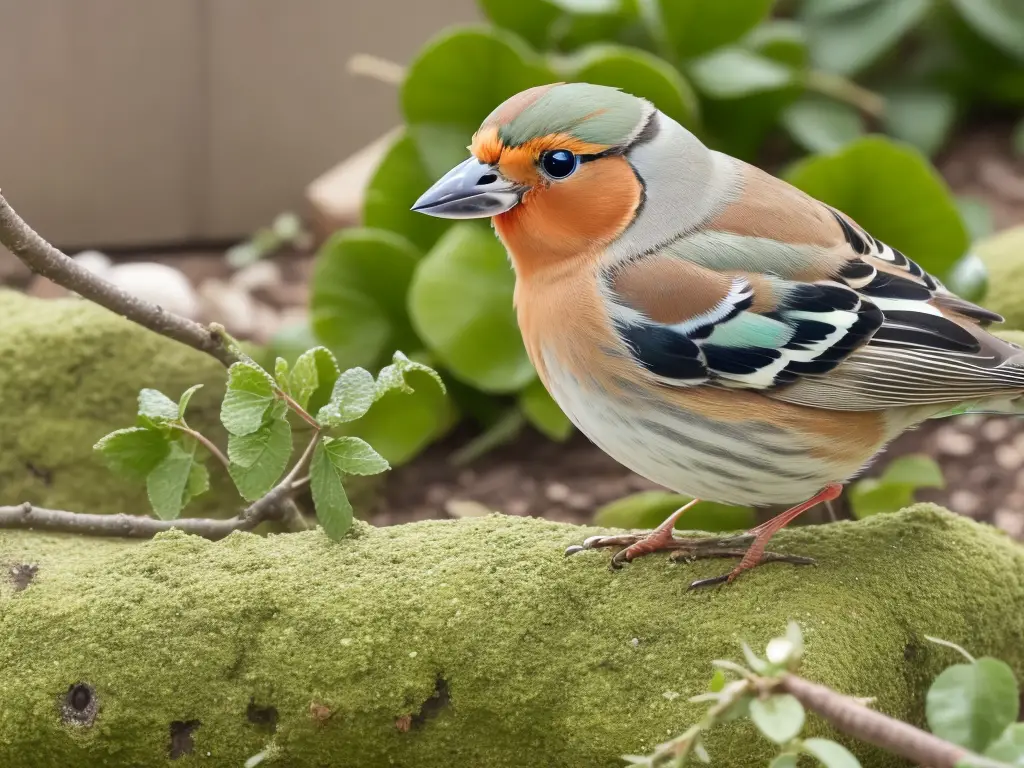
[(462, 643)]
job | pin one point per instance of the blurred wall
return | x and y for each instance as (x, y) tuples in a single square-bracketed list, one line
[(146, 121)]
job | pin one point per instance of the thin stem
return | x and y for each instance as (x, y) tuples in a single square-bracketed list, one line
[(948, 644), (205, 441), (303, 413), (45, 260), (842, 89), (368, 65), (300, 466)]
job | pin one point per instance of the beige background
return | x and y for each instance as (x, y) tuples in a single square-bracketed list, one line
[(146, 121)]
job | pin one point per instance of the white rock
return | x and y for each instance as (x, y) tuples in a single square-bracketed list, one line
[(259, 274), (96, 262), (234, 308), (158, 283)]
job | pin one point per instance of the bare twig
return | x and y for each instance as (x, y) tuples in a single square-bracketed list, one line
[(368, 65), (47, 261), (848, 715), (842, 89)]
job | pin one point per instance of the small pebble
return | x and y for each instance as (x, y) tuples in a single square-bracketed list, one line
[(635, 642), (1008, 457), (951, 441), (995, 430), (671, 695), (517, 507), (557, 492), (579, 501), (460, 508), (259, 274)]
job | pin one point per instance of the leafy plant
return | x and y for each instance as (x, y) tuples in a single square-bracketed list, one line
[(804, 76), (170, 456), (648, 509), (971, 707), (895, 488)]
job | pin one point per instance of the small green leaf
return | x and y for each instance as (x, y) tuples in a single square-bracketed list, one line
[(198, 480), (354, 393), (873, 176), (784, 761), (731, 73), (822, 125), (184, 400), (352, 456), (168, 484), (1009, 747), (694, 27), (920, 116), (333, 509), (392, 377), (249, 395), (647, 509), (829, 753), (871, 496), (281, 374), (917, 470), (359, 285), (543, 412), (157, 406), (477, 337), (717, 681), (258, 460), (135, 451), (1001, 22), (779, 717), (971, 704), (313, 369)]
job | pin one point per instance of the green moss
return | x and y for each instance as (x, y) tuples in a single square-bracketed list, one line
[(1003, 254), (71, 373), (544, 660)]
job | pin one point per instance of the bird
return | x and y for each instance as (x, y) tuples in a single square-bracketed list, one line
[(708, 325)]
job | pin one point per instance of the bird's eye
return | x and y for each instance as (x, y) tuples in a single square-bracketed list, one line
[(558, 163)]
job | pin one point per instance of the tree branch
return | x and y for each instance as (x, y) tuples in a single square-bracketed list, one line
[(45, 260)]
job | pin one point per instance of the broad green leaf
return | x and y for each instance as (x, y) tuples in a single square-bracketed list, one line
[(543, 412), (781, 40), (779, 717), (822, 125), (352, 456), (917, 470), (530, 19), (333, 509), (157, 406), (971, 704), (920, 116), (198, 480), (731, 73), (359, 285), (185, 399), (564, 24), (397, 183), (458, 79), (258, 460), (305, 378), (400, 425), (476, 336), (848, 41), (829, 753), (647, 509), (392, 377), (641, 74), (135, 451), (354, 393), (874, 176), (168, 483), (249, 395), (1001, 22), (1009, 747), (694, 27)]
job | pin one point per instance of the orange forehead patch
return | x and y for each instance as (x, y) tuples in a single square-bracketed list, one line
[(520, 163)]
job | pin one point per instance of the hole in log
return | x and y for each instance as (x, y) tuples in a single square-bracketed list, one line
[(433, 706), (79, 705), (264, 717), (22, 575), (181, 737)]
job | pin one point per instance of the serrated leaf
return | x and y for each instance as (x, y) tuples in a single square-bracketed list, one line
[(779, 717), (249, 395), (822, 125), (353, 456), (305, 378), (829, 753), (392, 377), (732, 73), (971, 704), (185, 399), (157, 406), (359, 286), (135, 451), (543, 412), (477, 337), (873, 176), (353, 394), (168, 483), (1009, 747), (258, 460), (198, 480), (333, 509), (281, 374)]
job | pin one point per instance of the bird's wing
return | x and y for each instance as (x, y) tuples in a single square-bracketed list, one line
[(784, 294)]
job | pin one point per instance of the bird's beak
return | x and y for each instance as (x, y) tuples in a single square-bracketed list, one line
[(470, 190)]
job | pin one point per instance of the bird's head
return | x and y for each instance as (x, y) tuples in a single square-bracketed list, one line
[(552, 164)]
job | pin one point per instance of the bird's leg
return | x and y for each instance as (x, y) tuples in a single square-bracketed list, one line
[(755, 554), (637, 544)]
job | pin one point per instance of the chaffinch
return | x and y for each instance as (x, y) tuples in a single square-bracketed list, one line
[(708, 325)]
